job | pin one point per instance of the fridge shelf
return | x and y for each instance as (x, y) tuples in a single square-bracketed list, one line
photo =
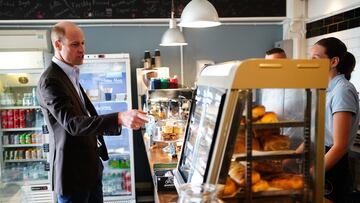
[(28, 182), (262, 155), (22, 145), (24, 160), (19, 107), (21, 129), (111, 101), (280, 124)]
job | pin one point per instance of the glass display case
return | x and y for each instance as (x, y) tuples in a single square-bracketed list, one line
[(245, 123), (168, 110)]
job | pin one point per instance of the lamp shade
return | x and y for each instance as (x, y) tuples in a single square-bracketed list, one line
[(173, 36), (199, 14)]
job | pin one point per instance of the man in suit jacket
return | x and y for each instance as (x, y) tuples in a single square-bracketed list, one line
[(76, 142)]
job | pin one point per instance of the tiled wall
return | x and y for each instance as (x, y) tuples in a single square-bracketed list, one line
[(342, 21), (351, 38)]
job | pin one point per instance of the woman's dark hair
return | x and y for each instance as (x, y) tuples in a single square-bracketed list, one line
[(349, 62), (336, 48)]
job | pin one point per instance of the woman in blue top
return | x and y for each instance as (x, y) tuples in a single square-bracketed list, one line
[(342, 116)]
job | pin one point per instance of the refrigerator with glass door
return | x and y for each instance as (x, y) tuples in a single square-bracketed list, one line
[(106, 81)]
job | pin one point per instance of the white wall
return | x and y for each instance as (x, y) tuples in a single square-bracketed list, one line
[(321, 8), (351, 38)]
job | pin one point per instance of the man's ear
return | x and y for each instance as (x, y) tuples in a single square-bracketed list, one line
[(334, 61), (58, 45)]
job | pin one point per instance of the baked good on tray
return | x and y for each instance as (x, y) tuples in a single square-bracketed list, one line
[(275, 142)]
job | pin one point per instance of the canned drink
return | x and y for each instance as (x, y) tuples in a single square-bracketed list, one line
[(16, 118), (4, 119), (22, 118), (10, 114)]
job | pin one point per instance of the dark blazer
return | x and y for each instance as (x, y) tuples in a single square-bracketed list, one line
[(75, 163)]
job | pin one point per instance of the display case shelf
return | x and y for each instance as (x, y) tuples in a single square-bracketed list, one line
[(24, 160), (273, 193), (19, 107), (21, 129), (22, 145), (280, 124), (262, 155)]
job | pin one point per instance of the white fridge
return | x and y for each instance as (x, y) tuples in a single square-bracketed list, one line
[(24, 145), (107, 82)]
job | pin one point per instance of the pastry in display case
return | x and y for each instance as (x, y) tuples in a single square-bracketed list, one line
[(168, 111), (237, 141)]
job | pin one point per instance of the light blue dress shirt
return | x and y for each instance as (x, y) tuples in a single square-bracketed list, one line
[(73, 74), (341, 96)]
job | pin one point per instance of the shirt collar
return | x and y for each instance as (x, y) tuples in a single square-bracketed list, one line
[(334, 81), (72, 72)]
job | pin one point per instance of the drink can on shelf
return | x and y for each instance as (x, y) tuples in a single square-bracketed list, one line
[(4, 119), (22, 118), (16, 118), (10, 117)]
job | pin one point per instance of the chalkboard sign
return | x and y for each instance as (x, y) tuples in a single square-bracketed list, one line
[(130, 9)]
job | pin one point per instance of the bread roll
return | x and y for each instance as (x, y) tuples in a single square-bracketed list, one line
[(167, 129), (269, 117), (259, 133), (237, 173), (230, 187), (262, 185), (287, 182), (275, 142), (257, 111), (240, 145), (268, 166)]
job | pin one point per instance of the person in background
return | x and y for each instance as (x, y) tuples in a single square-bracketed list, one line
[(275, 53), (341, 119), (75, 129)]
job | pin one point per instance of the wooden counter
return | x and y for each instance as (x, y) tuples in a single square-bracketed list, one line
[(159, 158)]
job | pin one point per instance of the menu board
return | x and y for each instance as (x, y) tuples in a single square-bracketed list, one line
[(201, 133)]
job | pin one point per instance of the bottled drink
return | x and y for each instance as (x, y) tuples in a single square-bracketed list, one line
[(147, 60), (19, 99), (157, 58), (34, 99)]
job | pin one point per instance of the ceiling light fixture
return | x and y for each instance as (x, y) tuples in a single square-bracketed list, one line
[(173, 36), (199, 14)]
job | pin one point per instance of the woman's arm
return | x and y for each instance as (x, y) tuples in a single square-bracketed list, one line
[(341, 132)]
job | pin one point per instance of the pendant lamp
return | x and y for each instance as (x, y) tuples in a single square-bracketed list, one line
[(199, 14), (173, 36)]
